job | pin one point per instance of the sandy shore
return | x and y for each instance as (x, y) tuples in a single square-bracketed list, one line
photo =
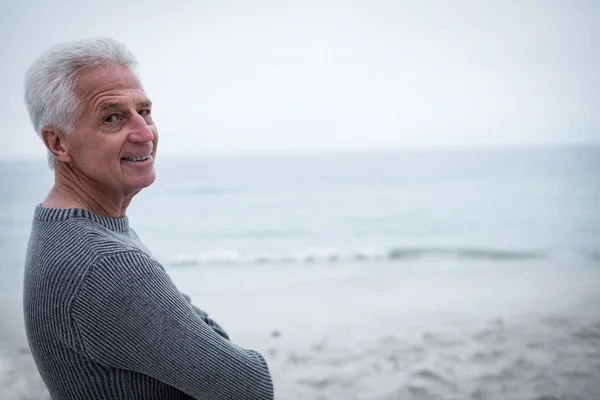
[(544, 359), (387, 333)]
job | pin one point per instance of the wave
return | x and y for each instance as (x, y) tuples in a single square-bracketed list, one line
[(396, 254), (468, 253)]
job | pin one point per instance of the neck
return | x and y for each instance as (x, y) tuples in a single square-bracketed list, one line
[(74, 190)]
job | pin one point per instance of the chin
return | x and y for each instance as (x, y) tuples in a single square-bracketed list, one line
[(144, 181)]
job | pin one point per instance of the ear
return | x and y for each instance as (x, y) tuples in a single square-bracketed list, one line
[(56, 143)]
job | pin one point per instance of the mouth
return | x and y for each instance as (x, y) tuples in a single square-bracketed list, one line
[(140, 158)]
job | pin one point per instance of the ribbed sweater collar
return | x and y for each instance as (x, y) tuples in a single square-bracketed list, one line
[(62, 214)]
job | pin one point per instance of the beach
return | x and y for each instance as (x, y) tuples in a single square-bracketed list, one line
[(522, 333), (525, 332), (411, 276), (388, 200)]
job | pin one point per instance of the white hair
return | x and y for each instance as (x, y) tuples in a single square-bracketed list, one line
[(50, 82)]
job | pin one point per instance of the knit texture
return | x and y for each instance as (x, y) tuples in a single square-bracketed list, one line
[(105, 321)]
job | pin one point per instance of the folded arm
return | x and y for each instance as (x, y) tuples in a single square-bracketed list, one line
[(129, 315), (208, 320)]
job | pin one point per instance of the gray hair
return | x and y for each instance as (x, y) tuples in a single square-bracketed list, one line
[(50, 82)]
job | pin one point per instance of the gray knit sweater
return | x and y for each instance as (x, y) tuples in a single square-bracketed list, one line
[(104, 320)]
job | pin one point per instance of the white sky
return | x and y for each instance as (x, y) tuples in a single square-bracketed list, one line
[(253, 76)]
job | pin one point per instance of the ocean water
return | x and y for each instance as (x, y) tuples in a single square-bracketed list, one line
[(538, 205)]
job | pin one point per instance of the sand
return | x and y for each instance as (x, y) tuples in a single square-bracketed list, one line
[(383, 332)]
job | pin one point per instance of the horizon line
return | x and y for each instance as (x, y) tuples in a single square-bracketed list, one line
[(346, 150)]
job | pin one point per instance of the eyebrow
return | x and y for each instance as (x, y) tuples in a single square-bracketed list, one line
[(144, 104), (112, 106), (121, 106)]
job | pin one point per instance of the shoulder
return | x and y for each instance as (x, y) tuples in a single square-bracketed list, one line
[(125, 265), (122, 282), (61, 253), (117, 280), (74, 241)]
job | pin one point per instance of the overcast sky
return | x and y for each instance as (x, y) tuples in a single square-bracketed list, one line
[(279, 76)]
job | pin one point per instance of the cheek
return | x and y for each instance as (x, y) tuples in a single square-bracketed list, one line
[(95, 153)]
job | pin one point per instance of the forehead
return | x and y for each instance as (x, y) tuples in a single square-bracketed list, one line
[(97, 84)]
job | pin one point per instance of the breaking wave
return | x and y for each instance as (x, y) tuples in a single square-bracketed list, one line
[(396, 254)]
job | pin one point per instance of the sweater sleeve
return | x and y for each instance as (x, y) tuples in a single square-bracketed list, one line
[(128, 314), (207, 319)]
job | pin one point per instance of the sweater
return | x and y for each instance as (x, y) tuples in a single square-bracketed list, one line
[(105, 321)]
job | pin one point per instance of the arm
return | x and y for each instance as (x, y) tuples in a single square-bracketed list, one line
[(129, 314), (208, 320)]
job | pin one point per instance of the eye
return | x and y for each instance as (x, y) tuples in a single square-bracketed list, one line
[(112, 118), (145, 112)]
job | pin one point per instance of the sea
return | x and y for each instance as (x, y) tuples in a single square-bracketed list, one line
[(417, 207)]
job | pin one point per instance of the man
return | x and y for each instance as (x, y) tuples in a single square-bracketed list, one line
[(103, 319)]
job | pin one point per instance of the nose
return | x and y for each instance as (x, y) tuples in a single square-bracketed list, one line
[(140, 130)]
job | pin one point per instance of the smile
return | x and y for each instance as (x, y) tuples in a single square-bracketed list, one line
[(141, 158)]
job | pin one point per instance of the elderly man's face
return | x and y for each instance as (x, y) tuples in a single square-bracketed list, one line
[(115, 140)]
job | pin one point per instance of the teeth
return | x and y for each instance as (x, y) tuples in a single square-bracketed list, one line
[(142, 158)]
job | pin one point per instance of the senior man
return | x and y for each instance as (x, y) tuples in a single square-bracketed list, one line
[(103, 319)]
